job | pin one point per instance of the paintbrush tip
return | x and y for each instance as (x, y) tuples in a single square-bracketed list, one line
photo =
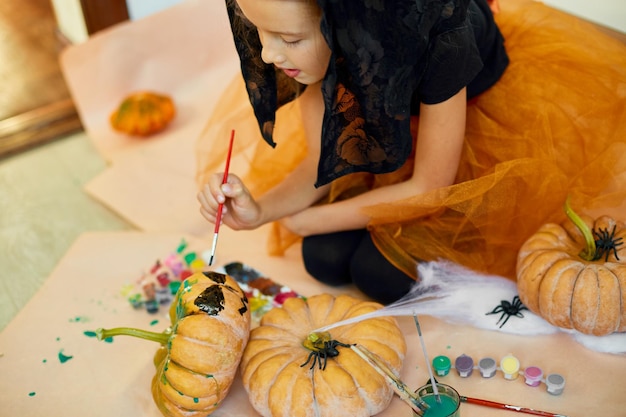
[(211, 260)]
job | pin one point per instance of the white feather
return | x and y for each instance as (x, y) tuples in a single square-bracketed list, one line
[(462, 296)]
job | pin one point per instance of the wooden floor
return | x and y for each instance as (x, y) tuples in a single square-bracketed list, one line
[(35, 104)]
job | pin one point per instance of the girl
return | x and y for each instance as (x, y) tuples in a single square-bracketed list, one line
[(359, 71), (386, 57)]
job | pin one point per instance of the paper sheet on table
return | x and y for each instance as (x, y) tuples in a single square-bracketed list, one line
[(113, 379), (185, 51)]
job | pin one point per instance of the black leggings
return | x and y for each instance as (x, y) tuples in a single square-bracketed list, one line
[(351, 257)]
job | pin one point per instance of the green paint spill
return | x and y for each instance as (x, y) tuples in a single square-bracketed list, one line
[(64, 358), (196, 400), (79, 319), (90, 333), (31, 394), (45, 361), (58, 339), (154, 322)]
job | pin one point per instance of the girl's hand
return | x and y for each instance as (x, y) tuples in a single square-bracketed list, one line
[(241, 211)]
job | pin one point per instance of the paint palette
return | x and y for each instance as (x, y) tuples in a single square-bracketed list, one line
[(156, 287), (263, 293), (509, 366)]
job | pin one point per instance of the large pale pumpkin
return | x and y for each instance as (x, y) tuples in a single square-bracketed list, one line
[(574, 275), (200, 353), (280, 384)]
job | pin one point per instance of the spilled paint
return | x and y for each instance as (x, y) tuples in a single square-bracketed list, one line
[(63, 357), (80, 319), (91, 333), (31, 394)]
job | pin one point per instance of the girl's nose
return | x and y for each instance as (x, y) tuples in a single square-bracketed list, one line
[(270, 55)]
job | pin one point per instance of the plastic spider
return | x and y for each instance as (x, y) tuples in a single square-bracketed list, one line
[(322, 347), (605, 243), (509, 309)]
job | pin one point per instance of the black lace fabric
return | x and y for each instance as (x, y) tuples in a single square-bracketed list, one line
[(387, 56)]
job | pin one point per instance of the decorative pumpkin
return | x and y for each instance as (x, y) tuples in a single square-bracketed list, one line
[(143, 113), (200, 353), (575, 276), (288, 371)]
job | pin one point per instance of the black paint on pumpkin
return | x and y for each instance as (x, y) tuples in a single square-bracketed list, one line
[(211, 300), (215, 276)]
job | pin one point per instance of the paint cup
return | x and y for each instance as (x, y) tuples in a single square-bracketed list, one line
[(464, 365), (449, 405), (510, 367), (555, 384), (441, 365), (487, 367), (533, 376)]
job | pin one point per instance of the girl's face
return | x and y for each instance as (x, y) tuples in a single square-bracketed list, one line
[(290, 34)]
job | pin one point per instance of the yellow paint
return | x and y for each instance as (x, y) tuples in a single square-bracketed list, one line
[(510, 367)]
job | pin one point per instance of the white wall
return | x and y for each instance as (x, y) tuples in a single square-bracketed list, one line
[(610, 13), (69, 16), (140, 8)]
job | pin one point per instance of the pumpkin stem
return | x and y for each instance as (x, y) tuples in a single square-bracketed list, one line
[(589, 253), (161, 338)]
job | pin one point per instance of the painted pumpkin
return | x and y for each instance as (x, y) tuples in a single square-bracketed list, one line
[(574, 275), (286, 376), (200, 353), (143, 113)]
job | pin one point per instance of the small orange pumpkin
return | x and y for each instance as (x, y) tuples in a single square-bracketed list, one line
[(279, 367), (143, 113), (573, 289)]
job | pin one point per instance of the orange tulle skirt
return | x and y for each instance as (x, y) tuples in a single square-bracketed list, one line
[(553, 126)]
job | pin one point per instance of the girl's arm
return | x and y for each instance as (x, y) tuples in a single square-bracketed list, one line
[(297, 191), (440, 141), (294, 194)]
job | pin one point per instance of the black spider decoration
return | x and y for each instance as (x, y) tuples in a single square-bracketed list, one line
[(509, 309), (322, 347), (605, 243)]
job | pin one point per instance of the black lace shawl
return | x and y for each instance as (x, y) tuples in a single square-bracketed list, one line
[(386, 56)]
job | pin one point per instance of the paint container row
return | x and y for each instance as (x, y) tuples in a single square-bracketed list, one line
[(509, 366)]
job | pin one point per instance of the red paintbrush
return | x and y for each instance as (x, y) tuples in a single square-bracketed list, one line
[(220, 208), (494, 404)]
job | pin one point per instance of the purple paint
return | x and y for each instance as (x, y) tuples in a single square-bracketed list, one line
[(464, 365)]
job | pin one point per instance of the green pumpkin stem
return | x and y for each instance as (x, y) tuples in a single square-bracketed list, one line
[(161, 338), (589, 253)]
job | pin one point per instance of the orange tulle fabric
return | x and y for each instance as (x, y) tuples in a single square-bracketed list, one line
[(553, 126)]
